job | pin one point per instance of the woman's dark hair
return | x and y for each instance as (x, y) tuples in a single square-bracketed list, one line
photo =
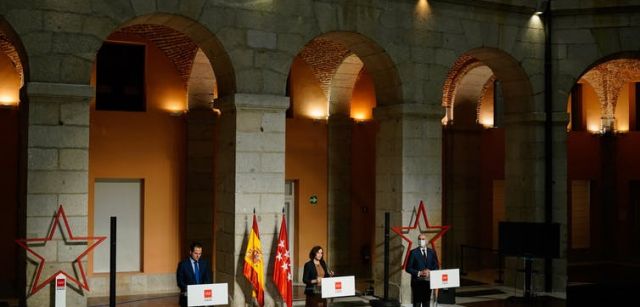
[(314, 250)]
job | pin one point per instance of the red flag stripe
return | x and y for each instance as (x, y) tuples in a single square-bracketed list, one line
[(282, 274)]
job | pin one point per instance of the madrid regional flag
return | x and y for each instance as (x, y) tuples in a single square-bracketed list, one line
[(282, 266), (253, 263)]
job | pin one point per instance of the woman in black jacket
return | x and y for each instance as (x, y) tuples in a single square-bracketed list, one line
[(314, 270)]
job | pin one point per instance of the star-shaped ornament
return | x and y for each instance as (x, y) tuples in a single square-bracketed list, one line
[(404, 231), (69, 239)]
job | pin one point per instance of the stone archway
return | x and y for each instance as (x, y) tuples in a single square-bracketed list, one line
[(603, 205), (179, 163), (13, 107), (507, 175), (337, 63)]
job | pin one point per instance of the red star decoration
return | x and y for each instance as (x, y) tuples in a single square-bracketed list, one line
[(56, 219), (401, 230)]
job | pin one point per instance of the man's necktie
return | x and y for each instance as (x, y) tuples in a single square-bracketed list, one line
[(196, 271)]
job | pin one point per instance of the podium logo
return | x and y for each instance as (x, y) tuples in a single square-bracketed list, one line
[(445, 278), (208, 294), (60, 283), (338, 286)]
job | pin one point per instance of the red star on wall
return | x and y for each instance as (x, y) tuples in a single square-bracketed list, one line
[(401, 230), (70, 238)]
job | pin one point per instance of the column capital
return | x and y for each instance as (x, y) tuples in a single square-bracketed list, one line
[(408, 110), (48, 91), (246, 101)]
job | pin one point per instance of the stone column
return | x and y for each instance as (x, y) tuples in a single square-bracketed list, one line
[(339, 194), (408, 169), (524, 183), (57, 173), (249, 174), (560, 120), (524, 186), (199, 189), (524, 167)]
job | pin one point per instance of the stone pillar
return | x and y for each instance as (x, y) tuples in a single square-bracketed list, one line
[(199, 189), (408, 169), (463, 192), (249, 174), (339, 194), (560, 120), (524, 183), (57, 173), (524, 186), (524, 167)]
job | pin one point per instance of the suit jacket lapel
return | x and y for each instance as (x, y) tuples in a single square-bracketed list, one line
[(192, 276)]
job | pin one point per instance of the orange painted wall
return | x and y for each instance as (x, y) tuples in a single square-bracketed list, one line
[(307, 97), (148, 145), (9, 93), (591, 107), (363, 98), (9, 82), (306, 163), (306, 159)]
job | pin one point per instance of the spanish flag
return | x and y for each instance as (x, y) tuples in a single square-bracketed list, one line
[(253, 263)]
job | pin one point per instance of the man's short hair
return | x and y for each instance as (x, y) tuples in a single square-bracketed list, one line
[(195, 245)]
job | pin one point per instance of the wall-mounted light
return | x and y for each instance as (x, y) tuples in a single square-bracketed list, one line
[(317, 113), (8, 101), (175, 107), (542, 6)]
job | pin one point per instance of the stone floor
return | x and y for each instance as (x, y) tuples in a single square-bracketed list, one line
[(473, 296)]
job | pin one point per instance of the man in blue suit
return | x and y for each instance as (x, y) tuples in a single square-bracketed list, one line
[(192, 271), (421, 261)]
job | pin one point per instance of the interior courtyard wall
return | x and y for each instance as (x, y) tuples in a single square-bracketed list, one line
[(121, 147), (261, 39)]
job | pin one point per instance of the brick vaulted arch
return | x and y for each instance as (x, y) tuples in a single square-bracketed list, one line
[(516, 90), (342, 85), (11, 46), (607, 77), (337, 46), (183, 53)]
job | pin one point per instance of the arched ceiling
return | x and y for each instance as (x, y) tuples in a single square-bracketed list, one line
[(324, 56), (9, 49), (178, 47)]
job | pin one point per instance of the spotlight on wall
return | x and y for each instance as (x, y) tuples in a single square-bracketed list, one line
[(8, 101), (541, 8)]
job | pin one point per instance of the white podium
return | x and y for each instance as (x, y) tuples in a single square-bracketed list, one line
[(338, 286), (61, 290), (442, 279), (207, 295)]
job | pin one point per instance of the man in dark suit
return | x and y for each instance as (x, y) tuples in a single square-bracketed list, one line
[(421, 261), (192, 271)]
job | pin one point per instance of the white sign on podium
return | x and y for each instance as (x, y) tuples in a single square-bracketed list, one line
[(61, 290), (338, 286), (441, 279), (207, 295)]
